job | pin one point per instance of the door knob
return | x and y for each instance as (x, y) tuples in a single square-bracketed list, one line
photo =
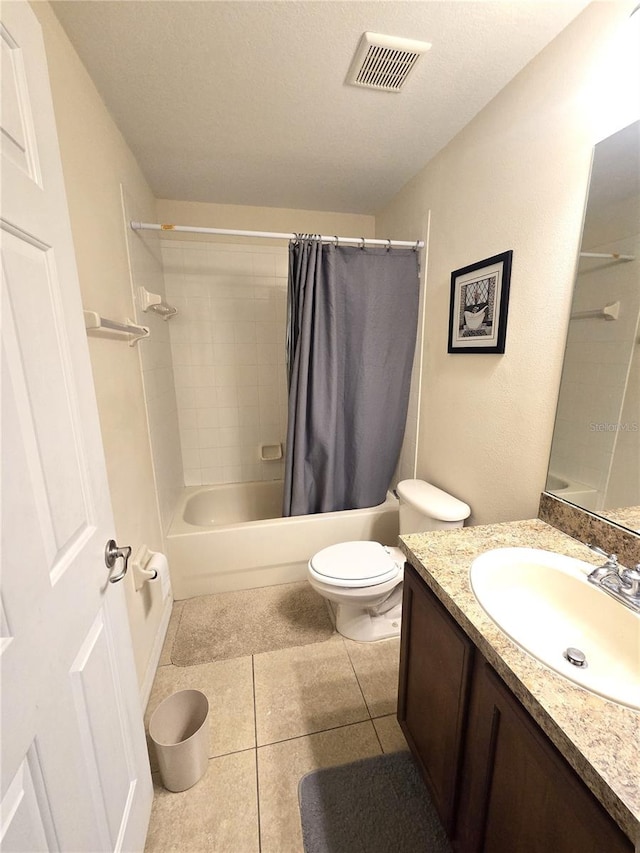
[(113, 553)]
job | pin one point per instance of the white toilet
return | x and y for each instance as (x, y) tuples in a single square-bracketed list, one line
[(362, 581)]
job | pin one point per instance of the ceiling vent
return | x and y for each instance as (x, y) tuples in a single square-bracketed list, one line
[(384, 62)]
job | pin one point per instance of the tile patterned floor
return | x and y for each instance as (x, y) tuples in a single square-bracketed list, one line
[(274, 717)]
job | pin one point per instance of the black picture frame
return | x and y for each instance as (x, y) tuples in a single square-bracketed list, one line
[(479, 305)]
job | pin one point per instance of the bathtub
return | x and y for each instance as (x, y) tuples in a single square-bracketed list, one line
[(232, 536), (572, 490)]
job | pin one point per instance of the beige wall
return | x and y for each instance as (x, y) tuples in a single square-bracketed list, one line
[(514, 178), (96, 160), (247, 218)]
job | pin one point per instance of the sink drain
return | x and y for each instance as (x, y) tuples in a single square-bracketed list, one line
[(575, 656)]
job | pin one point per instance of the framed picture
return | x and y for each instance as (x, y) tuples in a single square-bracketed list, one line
[(479, 304)]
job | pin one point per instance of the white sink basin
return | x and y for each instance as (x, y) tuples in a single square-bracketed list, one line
[(545, 603)]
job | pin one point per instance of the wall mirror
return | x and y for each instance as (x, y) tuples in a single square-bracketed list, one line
[(595, 452)]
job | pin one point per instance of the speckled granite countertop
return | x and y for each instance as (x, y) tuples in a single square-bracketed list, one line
[(628, 516), (600, 739)]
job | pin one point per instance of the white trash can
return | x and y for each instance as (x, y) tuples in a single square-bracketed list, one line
[(179, 729)]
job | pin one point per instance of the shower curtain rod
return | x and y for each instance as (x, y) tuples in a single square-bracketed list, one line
[(607, 255), (274, 235)]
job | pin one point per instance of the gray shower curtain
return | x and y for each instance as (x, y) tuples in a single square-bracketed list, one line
[(352, 319)]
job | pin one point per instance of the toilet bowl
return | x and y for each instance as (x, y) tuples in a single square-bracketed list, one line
[(362, 581)]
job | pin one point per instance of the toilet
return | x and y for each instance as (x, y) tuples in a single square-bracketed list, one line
[(362, 581)]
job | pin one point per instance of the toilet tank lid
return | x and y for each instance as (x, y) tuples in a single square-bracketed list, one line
[(431, 501)]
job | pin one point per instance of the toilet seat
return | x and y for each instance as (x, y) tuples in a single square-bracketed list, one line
[(354, 564)]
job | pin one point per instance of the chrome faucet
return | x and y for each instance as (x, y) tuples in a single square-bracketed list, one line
[(611, 567), (621, 583), (631, 581)]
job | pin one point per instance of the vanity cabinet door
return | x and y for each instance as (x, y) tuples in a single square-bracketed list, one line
[(435, 669), (518, 792)]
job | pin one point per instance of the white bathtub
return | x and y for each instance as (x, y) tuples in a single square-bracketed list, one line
[(232, 537)]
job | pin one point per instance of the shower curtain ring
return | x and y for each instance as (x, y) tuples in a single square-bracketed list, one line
[(337, 243), (362, 245), (417, 246), (388, 245)]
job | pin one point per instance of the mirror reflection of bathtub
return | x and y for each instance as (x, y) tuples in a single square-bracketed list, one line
[(232, 536), (572, 490)]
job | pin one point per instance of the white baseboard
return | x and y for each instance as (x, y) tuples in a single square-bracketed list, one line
[(156, 651)]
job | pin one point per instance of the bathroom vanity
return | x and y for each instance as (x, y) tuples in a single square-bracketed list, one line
[(516, 757)]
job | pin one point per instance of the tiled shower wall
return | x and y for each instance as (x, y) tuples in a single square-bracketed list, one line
[(228, 349)]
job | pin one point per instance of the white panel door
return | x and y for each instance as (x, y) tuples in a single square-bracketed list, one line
[(73, 762)]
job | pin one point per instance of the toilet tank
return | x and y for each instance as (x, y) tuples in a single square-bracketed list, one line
[(425, 507)]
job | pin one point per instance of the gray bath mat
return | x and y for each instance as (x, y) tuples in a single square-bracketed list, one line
[(234, 624), (377, 805)]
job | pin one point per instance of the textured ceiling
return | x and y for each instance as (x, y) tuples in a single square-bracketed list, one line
[(245, 102)]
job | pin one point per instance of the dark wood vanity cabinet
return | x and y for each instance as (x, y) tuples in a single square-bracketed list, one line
[(436, 661), (517, 792), (497, 782)]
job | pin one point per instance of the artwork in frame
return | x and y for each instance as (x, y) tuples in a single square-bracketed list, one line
[(479, 305)]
